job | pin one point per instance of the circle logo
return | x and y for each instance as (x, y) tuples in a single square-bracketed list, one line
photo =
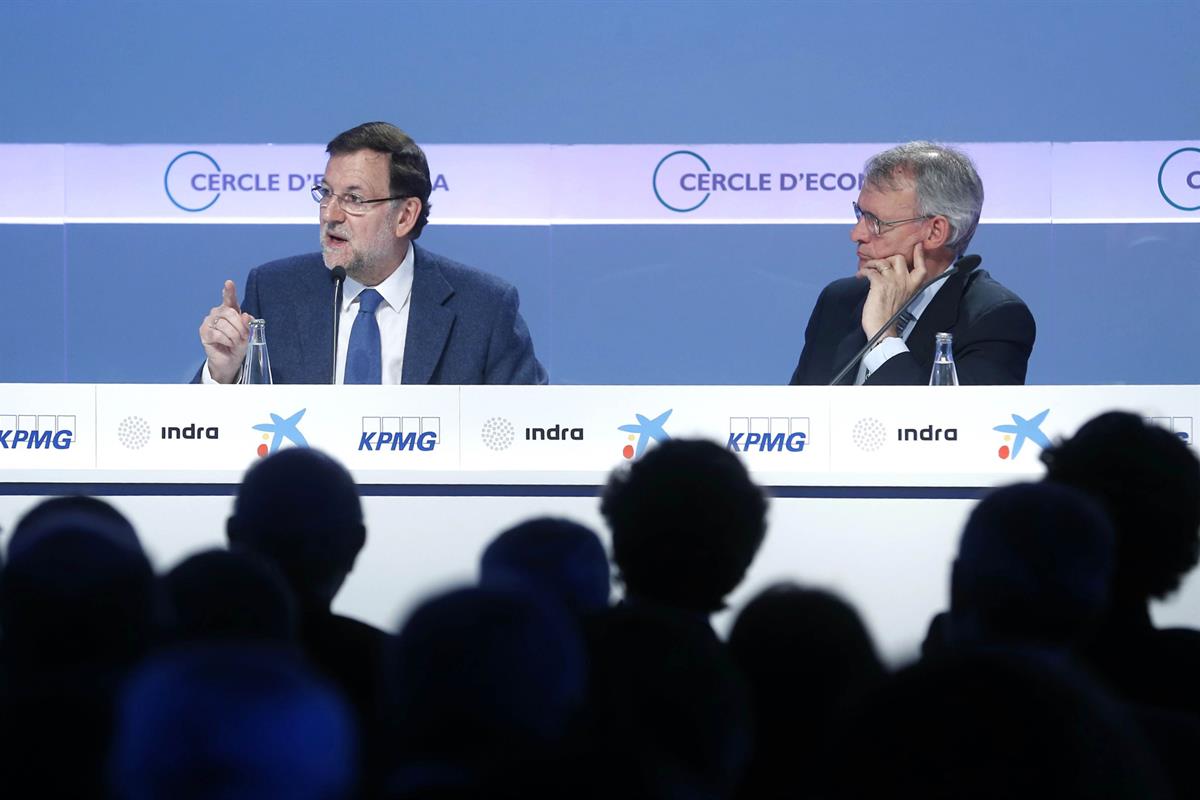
[(668, 180), (1179, 179), (185, 181), (497, 433), (869, 434), (133, 433)]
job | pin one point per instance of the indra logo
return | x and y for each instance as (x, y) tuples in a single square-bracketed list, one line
[(768, 434), (400, 433), (133, 433), (194, 181), (36, 431), (1021, 430), (869, 434), (644, 431), (1179, 179), (1180, 426), (683, 181), (497, 434), (279, 430)]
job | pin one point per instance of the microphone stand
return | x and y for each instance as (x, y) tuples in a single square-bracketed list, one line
[(338, 275)]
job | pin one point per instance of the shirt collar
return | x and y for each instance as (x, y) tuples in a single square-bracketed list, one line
[(395, 289)]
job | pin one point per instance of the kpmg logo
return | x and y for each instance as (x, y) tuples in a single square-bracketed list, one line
[(1020, 431), (1180, 426), (36, 431), (280, 430), (644, 431), (400, 433), (1179, 179), (683, 181), (768, 434)]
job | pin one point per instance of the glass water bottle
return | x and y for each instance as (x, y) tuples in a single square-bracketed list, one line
[(944, 373), (257, 366)]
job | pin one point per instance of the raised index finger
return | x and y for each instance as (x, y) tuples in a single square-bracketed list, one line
[(229, 297)]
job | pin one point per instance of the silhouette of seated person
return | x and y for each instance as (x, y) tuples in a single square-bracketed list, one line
[(669, 713), (990, 724), (686, 522), (1148, 481), (482, 688), (236, 722), (220, 595), (559, 557), (1033, 569), (77, 610), (299, 509), (806, 656)]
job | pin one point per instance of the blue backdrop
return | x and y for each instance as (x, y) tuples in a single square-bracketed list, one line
[(606, 304)]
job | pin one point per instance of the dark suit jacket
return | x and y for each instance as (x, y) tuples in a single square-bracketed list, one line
[(464, 325), (993, 334)]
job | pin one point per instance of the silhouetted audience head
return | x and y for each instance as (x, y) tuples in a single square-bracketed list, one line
[(300, 509), (670, 711), (1149, 482), (222, 595), (478, 683), (805, 654), (77, 588), (557, 556), (73, 511), (1033, 567), (686, 522), (991, 724), (231, 722)]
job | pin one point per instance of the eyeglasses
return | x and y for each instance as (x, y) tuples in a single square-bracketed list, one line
[(877, 225), (350, 202)]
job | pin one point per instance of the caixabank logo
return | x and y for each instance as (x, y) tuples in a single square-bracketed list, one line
[(1179, 179), (768, 434), (684, 180), (1021, 430), (37, 431), (280, 431), (400, 434), (639, 435)]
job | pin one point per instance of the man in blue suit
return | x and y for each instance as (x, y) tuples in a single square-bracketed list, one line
[(407, 315)]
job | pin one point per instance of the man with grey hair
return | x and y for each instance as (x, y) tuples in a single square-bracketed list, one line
[(917, 211)]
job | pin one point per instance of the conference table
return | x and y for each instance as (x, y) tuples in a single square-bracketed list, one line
[(870, 485)]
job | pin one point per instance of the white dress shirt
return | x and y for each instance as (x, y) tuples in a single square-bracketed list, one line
[(890, 346)]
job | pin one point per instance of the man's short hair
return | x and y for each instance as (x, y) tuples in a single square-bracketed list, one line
[(946, 183), (686, 522), (409, 170)]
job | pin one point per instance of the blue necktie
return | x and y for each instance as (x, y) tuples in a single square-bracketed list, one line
[(902, 323), (364, 363)]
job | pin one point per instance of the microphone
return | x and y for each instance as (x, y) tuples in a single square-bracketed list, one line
[(964, 264), (338, 276)]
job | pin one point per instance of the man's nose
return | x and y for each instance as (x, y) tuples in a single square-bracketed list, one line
[(331, 211), (860, 232)]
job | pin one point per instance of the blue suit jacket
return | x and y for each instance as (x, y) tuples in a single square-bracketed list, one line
[(993, 334), (464, 325)]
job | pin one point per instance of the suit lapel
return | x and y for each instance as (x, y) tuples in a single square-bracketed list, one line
[(850, 344), (429, 321), (939, 317)]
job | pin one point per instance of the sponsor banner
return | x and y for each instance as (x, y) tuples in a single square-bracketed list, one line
[(787, 436), (1127, 181), (230, 428), (784, 184), (1026, 182), (547, 428), (47, 427), (34, 174)]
